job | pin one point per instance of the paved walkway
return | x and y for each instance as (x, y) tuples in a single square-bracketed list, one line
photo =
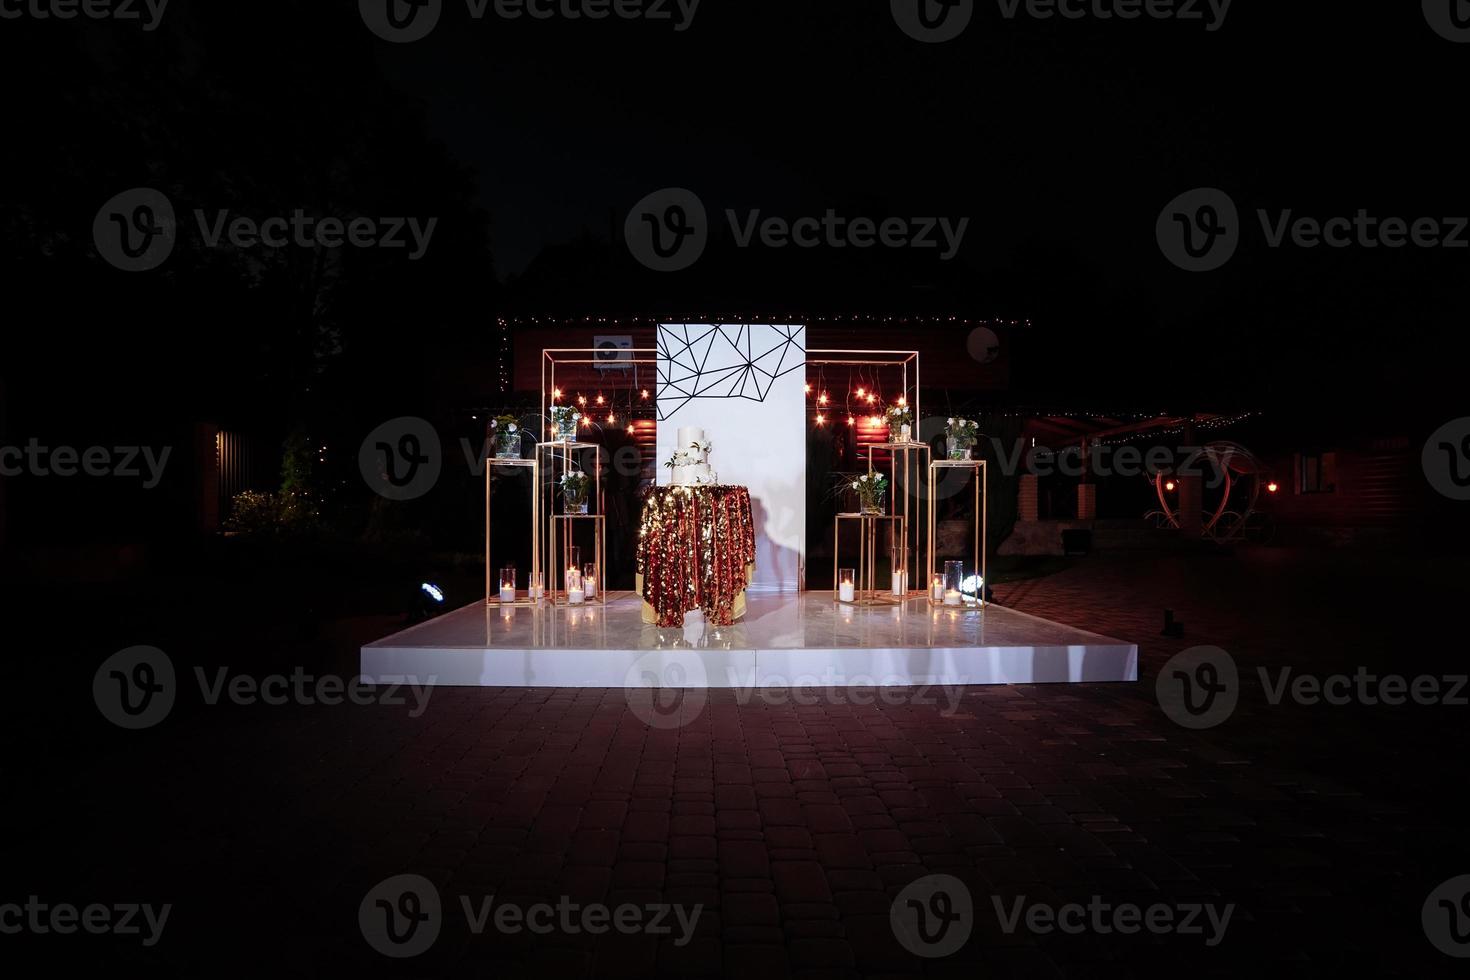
[(795, 821)]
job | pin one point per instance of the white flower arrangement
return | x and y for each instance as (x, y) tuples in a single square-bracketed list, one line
[(574, 486), (962, 433), (870, 488)]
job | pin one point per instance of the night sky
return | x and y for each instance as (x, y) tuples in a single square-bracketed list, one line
[(1059, 139)]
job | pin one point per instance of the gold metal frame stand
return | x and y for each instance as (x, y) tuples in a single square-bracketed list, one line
[(492, 585), (982, 523), (867, 557)]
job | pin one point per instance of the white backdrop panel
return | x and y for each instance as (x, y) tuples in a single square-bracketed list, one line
[(745, 385)]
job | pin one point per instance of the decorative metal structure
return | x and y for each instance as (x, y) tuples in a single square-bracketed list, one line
[(492, 591), (866, 591), (907, 362), (982, 516)]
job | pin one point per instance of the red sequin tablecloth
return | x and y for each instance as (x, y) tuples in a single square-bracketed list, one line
[(696, 550)]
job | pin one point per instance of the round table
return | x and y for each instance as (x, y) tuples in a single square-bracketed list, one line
[(696, 550)]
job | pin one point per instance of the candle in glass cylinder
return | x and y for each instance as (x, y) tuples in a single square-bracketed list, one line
[(589, 580), (575, 595), (951, 597), (507, 585), (936, 590), (537, 589), (846, 587), (899, 584)]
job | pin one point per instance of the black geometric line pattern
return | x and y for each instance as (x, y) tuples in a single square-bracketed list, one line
[(724, 360)]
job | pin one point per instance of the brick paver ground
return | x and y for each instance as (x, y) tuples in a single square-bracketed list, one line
[(795, 822)]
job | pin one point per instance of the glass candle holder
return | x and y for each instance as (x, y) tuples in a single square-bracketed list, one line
[(507, 585), (575, 595), (901, 573), (846, 584), (954, 580), (538, 585), (589, 579)]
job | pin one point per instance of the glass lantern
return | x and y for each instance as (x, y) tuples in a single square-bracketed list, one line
[(954, 582), (846, 584)]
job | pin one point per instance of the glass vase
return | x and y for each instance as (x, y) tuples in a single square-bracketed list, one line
[(507, 444), (954, 583), (574, 506)]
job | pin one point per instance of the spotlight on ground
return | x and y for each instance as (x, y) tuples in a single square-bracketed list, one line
[(972, 586), (428, 603)]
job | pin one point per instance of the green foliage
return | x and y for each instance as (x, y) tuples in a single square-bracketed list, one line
[(296, 462), (272, 514)]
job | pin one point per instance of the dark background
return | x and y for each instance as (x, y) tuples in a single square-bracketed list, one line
[(530, 141)]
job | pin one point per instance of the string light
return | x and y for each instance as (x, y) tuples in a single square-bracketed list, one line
[(821, 419)]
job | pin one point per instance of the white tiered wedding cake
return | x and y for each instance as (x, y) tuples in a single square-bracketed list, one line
[(691, 461)]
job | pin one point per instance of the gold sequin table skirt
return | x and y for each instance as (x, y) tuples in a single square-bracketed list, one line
[(696, 550)]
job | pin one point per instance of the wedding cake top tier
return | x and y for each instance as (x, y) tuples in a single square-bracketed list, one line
[(689, 437), (690, 465)]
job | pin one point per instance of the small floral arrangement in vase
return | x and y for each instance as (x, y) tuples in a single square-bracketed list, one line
[(574, 484), (565, 418), (507, 437), (900, 422), (870, 489), (961, 434)]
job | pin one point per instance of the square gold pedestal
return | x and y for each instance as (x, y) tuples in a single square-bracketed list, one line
[(868, 556), (492, 583), (562, 526), (982, 530)]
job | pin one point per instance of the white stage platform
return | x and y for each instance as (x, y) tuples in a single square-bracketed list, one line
[(783, 641)]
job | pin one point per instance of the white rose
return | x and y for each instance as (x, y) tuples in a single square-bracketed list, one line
[(951, 421), (854, 485), (511, 427)]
